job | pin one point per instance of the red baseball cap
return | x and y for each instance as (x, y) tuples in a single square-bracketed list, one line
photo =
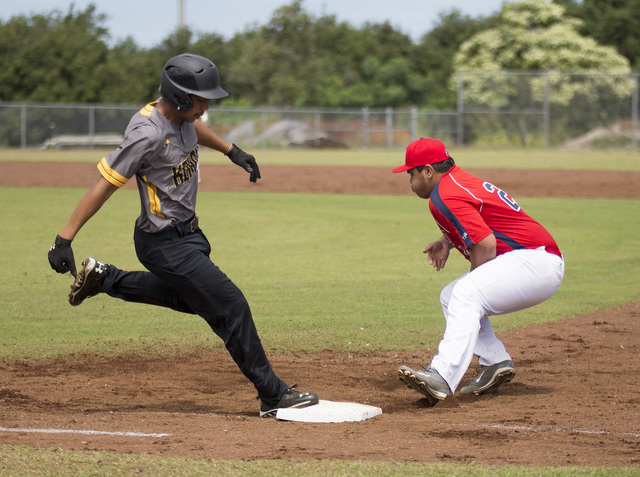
[(422, 152)]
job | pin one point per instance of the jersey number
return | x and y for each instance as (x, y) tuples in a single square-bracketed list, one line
[(503, 195)]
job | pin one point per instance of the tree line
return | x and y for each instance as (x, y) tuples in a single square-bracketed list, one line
[(299, 60)]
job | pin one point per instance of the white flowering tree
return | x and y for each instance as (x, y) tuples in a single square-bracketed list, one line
[(535, 36)]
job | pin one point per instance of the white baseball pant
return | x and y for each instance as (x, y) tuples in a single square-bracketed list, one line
[(510, 282)]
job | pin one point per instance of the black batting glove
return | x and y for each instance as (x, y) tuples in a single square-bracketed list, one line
[(246, 161), (61, 256)]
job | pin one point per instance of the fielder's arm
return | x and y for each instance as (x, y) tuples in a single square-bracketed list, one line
[(483, 251)]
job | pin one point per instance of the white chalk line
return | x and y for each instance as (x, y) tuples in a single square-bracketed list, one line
[(82, 432), (542, 429), (100, 433)]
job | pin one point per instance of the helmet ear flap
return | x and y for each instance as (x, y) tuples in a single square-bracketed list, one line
[(186, 106), (176, 98), (183, 106)]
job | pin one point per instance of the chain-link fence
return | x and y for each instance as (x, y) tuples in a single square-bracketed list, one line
[(40, 124), (28, 125), (498, 109), (548, 109)]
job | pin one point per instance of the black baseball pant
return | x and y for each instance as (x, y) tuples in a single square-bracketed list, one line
[(182, 277)]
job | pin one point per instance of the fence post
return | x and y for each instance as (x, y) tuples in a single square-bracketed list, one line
[(634, 115), (460, 125), (92, 126), (414, 123), (545, 111), (389, 126), (316, 123), (365, 127), (23, 126), (263, 119)]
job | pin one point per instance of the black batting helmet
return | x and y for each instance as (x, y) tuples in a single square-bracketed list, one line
[(188, 74)]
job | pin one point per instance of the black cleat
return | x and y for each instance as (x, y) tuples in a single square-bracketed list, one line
[(290, 398), (88, 282)]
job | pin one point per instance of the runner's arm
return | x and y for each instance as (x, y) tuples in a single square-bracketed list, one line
[(93, 200)]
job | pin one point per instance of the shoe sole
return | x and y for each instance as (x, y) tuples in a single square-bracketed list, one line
[(502, 376), (412, 382), (272, 412)]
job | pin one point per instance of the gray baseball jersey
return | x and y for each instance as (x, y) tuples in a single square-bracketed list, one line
[(163, 156)]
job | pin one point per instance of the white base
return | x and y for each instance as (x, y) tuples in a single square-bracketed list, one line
[(329, 411)]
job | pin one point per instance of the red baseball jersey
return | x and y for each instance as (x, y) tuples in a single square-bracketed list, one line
[(468, 209)]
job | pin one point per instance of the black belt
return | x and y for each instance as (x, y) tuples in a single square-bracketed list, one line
[(189, 226)]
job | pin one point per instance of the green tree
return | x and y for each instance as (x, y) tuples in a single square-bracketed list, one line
[(55, 57), (384, 76), (535, 35), (613, 23), (272, 59), (298, 60), (133, 74), (433, 57)]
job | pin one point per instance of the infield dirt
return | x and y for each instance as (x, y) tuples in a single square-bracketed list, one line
[(574, 400)]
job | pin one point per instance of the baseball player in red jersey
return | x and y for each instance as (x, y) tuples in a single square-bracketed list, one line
[(515, 264)]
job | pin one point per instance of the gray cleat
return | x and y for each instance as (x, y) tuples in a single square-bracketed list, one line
[(490, 377), (428, 383)]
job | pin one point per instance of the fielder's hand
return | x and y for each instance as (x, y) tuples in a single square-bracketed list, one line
[(437, 254), (61, 256), (246, 161)]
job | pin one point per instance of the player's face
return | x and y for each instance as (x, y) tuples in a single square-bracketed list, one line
[(420, 183), (200, 106)]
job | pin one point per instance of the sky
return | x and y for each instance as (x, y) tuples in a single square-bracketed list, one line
[(149, 22)]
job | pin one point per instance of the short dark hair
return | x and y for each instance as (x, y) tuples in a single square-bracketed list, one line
[(442, 166)]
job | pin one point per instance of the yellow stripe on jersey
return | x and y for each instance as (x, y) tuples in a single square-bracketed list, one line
[(111, 175), (154, 200), (147, 110)]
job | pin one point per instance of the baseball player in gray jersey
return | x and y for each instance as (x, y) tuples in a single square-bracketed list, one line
[(161, 150)]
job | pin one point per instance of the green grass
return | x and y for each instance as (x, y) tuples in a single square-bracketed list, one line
[(25, 461), (320, 271), (622, 160), (343, 272)]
